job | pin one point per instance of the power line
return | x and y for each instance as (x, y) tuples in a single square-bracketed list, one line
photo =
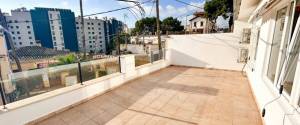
[(99, 13), (151, 8), (188, 4)]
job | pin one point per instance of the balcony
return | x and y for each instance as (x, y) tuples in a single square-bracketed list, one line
[(173, 95), (186, 85)]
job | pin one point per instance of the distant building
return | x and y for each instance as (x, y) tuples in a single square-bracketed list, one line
[(112, 27), (19, 23), (47, 27), (55, 28), (199, 23), (94, 35)]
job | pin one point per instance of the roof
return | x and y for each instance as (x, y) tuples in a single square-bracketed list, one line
[(198, 14), (37, 52)]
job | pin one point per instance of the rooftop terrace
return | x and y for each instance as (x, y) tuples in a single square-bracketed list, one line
[(170, 96)]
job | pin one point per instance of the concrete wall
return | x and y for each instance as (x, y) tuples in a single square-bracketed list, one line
[(44, 104), (218, 51)]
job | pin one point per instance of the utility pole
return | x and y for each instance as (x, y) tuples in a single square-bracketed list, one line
[(158, 25), (82, 29)]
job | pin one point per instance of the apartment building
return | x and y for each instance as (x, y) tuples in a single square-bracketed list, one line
[(55, 28), (272, 28), (94, 35), (46, 27), (19, 23), (112, 26)]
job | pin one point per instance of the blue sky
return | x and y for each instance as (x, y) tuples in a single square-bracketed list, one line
[(167, 7)]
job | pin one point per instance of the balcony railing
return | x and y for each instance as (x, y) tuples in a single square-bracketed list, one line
[(30, 83)]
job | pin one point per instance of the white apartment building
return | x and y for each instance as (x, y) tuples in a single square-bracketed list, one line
[(273, 64), (94, 35), (56, 30), (21, 28)]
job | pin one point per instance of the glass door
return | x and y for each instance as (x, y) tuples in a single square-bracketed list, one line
[(275, 46)]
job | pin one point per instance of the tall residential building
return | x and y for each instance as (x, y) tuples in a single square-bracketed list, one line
[(55, 28), (112, 26), (19, 23), (46, 27), (94, 35)]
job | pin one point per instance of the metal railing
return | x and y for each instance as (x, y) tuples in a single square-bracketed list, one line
[(25, 84), (22, 85)]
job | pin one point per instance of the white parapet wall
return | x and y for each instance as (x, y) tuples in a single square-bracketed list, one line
[(219, 51), (30, 109)]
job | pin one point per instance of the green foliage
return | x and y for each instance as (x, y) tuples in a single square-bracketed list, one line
[(171, 24), (68, 59), (215, 8), (146, 24)]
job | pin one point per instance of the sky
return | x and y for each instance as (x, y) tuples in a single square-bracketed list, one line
[(167, 8)]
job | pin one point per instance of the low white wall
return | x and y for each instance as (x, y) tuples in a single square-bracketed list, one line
[(44, 104), (218, 51)]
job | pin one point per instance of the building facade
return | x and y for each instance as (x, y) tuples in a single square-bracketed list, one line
[(46, 27), (55, 28), (198, 23), (273, 57), (112, 28), (94, 35), (20, 26)]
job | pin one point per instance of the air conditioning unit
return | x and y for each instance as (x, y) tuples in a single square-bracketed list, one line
[(243, 55), (245, 39)]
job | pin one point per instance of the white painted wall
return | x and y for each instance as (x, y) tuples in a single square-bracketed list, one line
[(263, 89), (56, 30), (218, 51)]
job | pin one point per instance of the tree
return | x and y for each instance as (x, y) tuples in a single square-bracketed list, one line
[(147, 24), (215, 8), (171, 24)]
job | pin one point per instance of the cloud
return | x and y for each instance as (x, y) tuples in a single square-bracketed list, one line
[(65, 4)]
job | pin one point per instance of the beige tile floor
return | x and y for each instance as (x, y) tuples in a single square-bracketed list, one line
[(171, 96)]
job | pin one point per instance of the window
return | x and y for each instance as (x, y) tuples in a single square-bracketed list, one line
[(20, 43), (51, 21), (14, 38), (100, 33), (31, 43), (92, 23), (91, 46), (90, 41), (201, 23), (19, 37), (54, 43), (18, 32), (89, 28), (30, 37), (50, 15), (77, 27), (28, 27), (17, 27), (99, 24), (60, 27), (16, 21), (52, 27), (29, 32), (88, 23), (195, 24), (53, 33), (54, 38), (11, 27), (275, 46), (12, 32)]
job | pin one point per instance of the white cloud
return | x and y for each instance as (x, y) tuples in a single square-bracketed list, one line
[(65, 4)]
